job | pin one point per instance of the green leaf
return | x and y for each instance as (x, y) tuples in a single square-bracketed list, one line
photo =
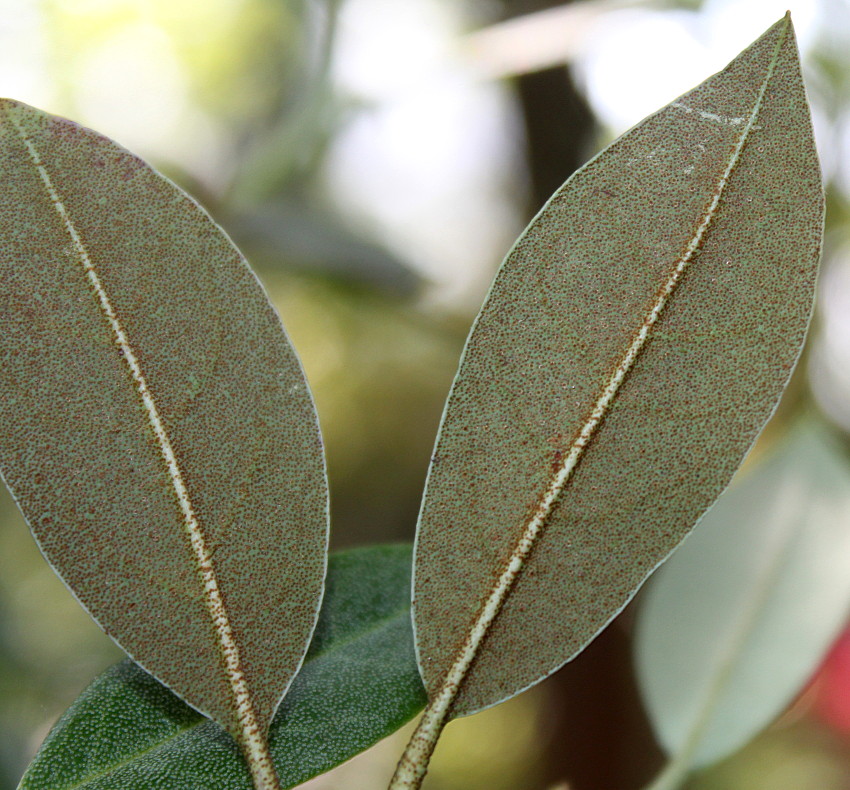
[(631, 348), (740, 617), (157, 429), (308, 240), (358, 684)]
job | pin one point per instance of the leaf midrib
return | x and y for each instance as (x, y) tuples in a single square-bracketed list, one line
[(379, 625)]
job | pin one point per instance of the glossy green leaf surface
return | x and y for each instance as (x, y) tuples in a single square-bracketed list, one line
[(631, 348), (157, 430), (742, 614), (358, 684)]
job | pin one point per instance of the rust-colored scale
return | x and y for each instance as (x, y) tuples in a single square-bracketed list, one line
[(78, 446), (563, 311)]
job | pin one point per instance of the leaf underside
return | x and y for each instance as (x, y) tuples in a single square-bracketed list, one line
[(740, 617), (691, 244), (358, 684), (158, 433)]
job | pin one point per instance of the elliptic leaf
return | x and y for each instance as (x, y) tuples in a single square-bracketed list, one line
[(632, 346), (358, 684), (740, 617), (157, 430)]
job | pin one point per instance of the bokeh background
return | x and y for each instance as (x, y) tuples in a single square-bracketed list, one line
[(375, 160)]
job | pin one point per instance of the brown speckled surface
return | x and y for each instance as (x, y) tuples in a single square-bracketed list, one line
[(560, 317), (76, 441)]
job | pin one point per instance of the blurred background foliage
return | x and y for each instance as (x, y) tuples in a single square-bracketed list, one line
[(375, 159)]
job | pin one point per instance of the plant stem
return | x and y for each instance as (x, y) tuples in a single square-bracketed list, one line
[(255, 749), (413, 764)]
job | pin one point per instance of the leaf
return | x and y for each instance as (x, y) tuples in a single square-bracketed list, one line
[(358, 684), (632, 346), (158, 433), (741, 616), (313, 242)]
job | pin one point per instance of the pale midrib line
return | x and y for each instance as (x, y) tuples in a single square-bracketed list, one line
[(411, 770), (251, 733), (384, 624)]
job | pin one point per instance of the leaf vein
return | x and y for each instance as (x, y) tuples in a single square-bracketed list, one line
[(374, 627)]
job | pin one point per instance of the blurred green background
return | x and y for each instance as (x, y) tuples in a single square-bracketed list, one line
[(375, 159)]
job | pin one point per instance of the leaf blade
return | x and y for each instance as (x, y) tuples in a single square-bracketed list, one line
[(755, 595), (358, 684), (139, 347), (561, 320)]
